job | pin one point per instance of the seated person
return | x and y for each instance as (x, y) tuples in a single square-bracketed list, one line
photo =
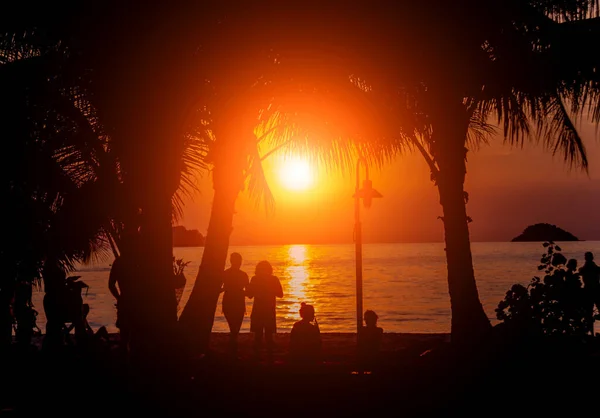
[(369, 340), (305, 338)]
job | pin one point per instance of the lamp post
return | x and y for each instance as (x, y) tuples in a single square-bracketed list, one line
[(367, 193)]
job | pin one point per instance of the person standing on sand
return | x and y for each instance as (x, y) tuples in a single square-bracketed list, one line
[(264, 287), (235, 282), (120, 285), (590, 275)]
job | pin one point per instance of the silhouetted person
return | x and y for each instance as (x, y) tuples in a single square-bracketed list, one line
[(264, 287), (121, 286), (24, 312), (235, 282), (102, 332), (590, 275), (305, 338), (54, 281), (62, 303), (99, 337), (572, 281), (572, 293), (369, 340)]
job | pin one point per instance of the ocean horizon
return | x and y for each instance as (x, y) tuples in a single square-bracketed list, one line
[(405, 283)]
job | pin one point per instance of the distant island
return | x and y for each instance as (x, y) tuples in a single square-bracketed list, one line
[(183, 237), (544, 232)]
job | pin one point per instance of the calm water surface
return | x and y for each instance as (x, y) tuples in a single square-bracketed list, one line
[(404, 283)]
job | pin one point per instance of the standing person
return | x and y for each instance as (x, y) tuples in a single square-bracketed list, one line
[(590, 275), (121, 286), (264, 287), (305, 338), (235, 282)]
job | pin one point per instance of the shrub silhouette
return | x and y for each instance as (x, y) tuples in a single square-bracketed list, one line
[(554, 305)]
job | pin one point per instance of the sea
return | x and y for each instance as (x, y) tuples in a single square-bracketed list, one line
[(404, 283)]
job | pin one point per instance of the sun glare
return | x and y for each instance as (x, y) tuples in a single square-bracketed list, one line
[(295, 174)]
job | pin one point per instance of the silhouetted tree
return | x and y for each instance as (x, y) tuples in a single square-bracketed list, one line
[(441, 93), (84, 185), (521, 62), (524, 63), (275, 88), (552, 305), (42, 187), (438, 91)]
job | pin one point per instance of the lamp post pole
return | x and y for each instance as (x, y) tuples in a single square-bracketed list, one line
[(367, 193), (358, 249)]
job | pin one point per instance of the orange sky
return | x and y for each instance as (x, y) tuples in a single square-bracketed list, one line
[(509, 189)]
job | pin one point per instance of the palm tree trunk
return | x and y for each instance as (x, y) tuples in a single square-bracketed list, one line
[(155, 318), (197, 317), (469, 321)]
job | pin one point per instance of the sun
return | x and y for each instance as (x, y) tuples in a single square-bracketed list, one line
[(295, 174)]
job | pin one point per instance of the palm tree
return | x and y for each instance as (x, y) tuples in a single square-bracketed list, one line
[(78, 193), (136, 107), (270, 96), (444, 103), (39, 181), (516, 63), (416, 81), (524, 78)]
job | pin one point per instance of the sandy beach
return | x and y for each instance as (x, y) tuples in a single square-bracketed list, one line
[(338, 348), (420, 375), (208, 377)]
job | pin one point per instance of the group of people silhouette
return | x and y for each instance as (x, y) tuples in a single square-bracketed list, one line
[(264, 288), (305, 337), (590, 277)]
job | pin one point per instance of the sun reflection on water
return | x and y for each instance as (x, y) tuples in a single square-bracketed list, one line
[(297, 271)]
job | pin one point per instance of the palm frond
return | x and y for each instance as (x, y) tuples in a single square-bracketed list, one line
[(559, 133), (306, 135), (511, 115), (480, 130), (568, 10), (335, 124), (258, 186), (194, 163)]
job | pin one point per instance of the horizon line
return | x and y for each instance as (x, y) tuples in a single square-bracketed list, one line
[(378, 243)]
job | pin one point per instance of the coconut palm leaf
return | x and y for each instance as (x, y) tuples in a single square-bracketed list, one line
[(57, 150), (257, 184), (194, 163), (547, 91), (567, 10)]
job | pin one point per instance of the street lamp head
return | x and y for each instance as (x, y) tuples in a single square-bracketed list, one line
[(368, 193)]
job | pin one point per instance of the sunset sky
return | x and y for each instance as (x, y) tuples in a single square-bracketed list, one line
[(509, 188)]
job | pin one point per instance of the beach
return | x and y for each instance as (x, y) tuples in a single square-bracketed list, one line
[(419, 375), (338, 347), (65, 382)]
